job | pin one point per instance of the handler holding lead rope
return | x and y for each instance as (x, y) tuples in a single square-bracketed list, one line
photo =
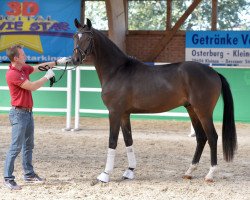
[(21, 116)]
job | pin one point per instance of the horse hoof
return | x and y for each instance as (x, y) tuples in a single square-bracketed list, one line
[(103, 177), (94, 182), (187, 177), (128, 174), (126, 178), (209, 180)]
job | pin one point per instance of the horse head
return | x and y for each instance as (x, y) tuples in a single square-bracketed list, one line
[(83, 42)]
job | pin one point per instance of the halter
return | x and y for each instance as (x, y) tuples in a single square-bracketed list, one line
[(84, 53)]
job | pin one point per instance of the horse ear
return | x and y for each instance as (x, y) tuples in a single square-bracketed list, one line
[(77, 23), (89, 24)]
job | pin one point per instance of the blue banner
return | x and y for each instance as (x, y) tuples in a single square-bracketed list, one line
[(44, 27)]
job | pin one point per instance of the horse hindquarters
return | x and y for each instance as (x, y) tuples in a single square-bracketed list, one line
[(229, 136)]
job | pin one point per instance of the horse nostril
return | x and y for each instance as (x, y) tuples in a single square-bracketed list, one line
[(76, 60)]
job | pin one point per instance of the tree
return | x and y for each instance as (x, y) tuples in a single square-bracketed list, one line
[(229, 15), (147, 15), (151, 15)]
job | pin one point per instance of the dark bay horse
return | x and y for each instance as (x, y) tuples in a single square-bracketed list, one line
[(130, 86)]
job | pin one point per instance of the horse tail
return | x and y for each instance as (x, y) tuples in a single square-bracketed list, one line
[(229, 136)]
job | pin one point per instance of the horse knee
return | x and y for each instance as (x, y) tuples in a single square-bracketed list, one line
[(113, 143), (128, 141)]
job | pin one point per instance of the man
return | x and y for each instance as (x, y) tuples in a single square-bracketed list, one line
[(21, 116)]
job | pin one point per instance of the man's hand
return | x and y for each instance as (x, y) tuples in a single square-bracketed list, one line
[(63, 60), (49, 74)]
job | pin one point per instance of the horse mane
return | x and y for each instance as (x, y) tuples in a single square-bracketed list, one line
[(108, 42), (127, 61)]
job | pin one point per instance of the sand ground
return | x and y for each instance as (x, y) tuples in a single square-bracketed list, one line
[(70, 161)]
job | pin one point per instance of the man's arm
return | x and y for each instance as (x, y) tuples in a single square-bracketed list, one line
[(32, 86), (50, 65)]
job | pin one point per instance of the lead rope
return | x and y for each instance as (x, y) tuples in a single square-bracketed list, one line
[(53, 79)]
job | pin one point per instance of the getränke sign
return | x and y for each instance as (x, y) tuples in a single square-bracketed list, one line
[(230, 48)]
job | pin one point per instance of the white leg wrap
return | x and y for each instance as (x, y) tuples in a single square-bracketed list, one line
[(131, 157), (191, 169), (103, 177), (110, 161), (210, 175), (128, 174)]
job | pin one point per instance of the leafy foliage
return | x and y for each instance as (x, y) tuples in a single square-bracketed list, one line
[(229, 15), (147, 15), (151, 15)]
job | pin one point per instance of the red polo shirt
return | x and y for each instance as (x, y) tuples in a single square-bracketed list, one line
[(15, 78)]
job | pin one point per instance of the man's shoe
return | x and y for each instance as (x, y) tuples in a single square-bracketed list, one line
[(34, 179), (12, 185)]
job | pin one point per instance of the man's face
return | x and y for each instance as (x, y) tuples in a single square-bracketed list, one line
[(21, 59)]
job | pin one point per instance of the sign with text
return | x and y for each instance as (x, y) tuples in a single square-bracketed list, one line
[(45, 28), (230, 48)]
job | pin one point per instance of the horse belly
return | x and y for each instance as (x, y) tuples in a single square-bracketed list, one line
[(155, 103)]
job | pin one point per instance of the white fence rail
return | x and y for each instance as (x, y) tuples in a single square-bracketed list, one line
[(67, 89)]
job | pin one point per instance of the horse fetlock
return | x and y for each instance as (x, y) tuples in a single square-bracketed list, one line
[(191, 168), (103, 177), (129, 174), (210, 176)]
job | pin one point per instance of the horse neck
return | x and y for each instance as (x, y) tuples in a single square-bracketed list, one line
[(107, 57)]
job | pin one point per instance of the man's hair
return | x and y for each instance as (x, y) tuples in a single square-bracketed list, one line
[(12, 51)]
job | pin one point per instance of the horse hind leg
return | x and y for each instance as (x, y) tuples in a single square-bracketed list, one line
[(201, 141), (212, 137), (127, 135)]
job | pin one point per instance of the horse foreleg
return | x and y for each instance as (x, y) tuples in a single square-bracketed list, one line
[(129, 173), (114, 121), (104, 176), (127, 135)]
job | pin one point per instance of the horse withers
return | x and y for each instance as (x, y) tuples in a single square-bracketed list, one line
[(130, 86)]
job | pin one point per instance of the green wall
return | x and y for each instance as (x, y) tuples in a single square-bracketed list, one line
[(239, 80)]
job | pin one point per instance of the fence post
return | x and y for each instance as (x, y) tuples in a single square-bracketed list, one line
[(77, 98), (69, 102)]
